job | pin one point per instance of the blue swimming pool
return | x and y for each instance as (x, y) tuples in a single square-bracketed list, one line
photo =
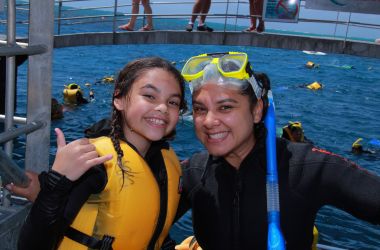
[(348, 107)]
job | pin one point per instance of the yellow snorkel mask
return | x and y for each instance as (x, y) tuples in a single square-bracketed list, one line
[(357, 143), (295, 125), (224, 68), (229, 64)]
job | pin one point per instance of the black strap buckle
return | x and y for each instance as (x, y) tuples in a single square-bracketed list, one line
[(104, 244)]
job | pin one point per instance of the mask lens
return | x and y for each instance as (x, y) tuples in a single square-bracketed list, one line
[(232, 63), (196, 65)]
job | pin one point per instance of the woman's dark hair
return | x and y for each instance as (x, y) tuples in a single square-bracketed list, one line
[(123, 84), (264, 83)]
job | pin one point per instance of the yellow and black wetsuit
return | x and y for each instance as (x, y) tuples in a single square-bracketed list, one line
[(137, 214)]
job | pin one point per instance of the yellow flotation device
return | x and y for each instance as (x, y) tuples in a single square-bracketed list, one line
[(128, 210), (311, 65), (314, 86), (71, 92), (108, 79)]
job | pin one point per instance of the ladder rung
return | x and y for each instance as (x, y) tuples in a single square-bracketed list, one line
[(15, 132), (19, 50), (16, 119)]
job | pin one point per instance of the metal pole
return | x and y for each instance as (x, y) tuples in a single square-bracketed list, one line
[(225, 18), (114, 16), (59, 16), (41, 32), (348, 25), (16, 119), (10, 74), (15, 132), (336, 23), (237, 13)]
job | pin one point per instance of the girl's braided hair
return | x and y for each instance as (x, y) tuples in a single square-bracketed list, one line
[(123, 84)]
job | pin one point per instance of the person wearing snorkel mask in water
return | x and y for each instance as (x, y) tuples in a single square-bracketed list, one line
[(226, 185), (293, 131)]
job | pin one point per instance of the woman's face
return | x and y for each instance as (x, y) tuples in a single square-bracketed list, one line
[(151, 109), (223, 120)]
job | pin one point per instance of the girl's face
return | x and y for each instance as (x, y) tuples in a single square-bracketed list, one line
[(224, 120), (151, 109)]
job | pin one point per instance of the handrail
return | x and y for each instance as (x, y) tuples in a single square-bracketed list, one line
[(21, 50), (16, 119), (15, 132), (227, 15)]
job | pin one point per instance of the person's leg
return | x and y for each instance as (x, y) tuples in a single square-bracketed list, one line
[(253, 19), (261, 26), (135, 10), (204, 10), (196, 9), (147, 10)]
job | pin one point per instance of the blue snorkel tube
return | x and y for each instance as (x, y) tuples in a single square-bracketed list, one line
[(275, 238)]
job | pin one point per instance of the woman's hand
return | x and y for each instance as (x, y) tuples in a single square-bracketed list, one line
[(190, 243), (75, 158), (31, 191)]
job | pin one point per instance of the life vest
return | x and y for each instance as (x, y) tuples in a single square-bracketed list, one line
[(314, 86), (71, 93), (128, 212)]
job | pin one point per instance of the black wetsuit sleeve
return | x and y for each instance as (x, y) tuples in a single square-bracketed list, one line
[(341, 183), (184, 203), (352, 189), (56, 206), (192, 172)]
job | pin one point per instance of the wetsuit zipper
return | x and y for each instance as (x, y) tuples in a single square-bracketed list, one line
[(236, 211)]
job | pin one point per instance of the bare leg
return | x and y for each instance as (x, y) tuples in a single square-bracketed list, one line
[(148, 10), (259, 11), (204, 10), (252, 12), (197, 8), (135, 10)]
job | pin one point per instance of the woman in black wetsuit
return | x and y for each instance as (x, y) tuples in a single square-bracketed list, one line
[(226, 186)]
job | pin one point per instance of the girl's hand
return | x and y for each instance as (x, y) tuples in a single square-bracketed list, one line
[(75, 158)]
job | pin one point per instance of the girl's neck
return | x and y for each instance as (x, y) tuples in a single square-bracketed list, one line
[(141, 144)]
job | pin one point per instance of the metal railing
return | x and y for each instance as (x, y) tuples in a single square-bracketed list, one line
[(36, 124), (231, 15)]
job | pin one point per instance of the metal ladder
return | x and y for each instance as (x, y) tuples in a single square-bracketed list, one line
[(36, 124), (39, 50)]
